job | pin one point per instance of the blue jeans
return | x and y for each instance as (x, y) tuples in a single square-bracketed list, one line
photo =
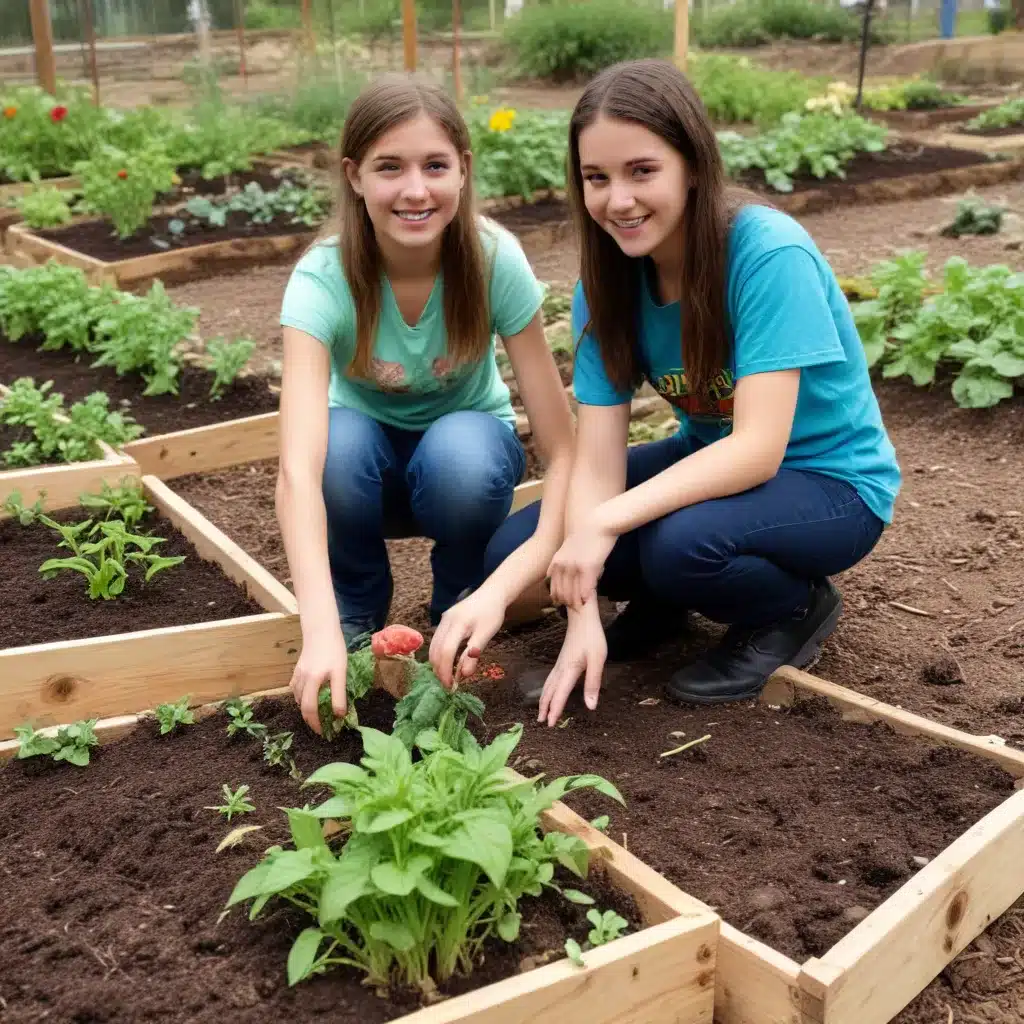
[(745, 559), (452, 483)]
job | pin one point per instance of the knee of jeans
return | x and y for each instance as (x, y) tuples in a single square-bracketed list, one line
[(465, 469), (357, 456), (680, 547), (511, 535)]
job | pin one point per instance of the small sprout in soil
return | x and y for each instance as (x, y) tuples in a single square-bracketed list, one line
[(601, 823), (575, 896), (173, 714), (25, 514), (71, 743), (275, 753), (607, 926), (127, 502), (241, 714), (236, 802), (227, 359)]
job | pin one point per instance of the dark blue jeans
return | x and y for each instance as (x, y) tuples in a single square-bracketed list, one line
[(452, 483), (745, 559)]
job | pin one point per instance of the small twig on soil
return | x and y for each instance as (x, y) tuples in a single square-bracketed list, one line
[(1003, 636), (111, 785), (949, 1011), (625, 841), (952, 586), (685, 746), (910, 608)]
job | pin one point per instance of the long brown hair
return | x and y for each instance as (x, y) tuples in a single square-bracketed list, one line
[(657, 96), (386, 103)]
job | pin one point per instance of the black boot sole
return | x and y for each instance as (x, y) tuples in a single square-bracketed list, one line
[(808, 654)]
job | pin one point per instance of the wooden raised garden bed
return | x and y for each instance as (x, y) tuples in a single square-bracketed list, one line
[(14, 189), (1007, 141), (29, 248), (921, 120), (662, 973), (100, 676)]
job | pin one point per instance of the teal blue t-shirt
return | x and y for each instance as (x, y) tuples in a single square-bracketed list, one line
[(413, 382), (787, 312)]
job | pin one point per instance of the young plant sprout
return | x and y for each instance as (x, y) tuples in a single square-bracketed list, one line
[(607, 926), (227, 359), (241, 714), (25, 514), (173, 714), (126, 502), (236, 802), (72, 742)]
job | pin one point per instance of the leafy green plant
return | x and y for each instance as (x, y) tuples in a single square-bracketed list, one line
[(973, 324), (126, 501), (53, 433), (227, 359), (751, 23), (439, 853), (275, 752), (292, 203), (430, 716), (563, 42), (974, 216), (912, 94), (236, 802), (173, 714), (123, 185), (25, 514), (1010, 112), (818, 144), (45, 207), (243, 719), (72, 742), (104, 562), (518, 153), (358, 683), (607, 927)]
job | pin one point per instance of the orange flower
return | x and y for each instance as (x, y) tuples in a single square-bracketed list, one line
[(10, 113), (122, 174)]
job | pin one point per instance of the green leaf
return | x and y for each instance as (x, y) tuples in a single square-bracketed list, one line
[(598, 783), (601, 823), (346, 882), (484, 842), (306, 828), (574, 953), (289, 868), (333, 807), (302, 956), (384, 821), (508, 926), (435, 893), (400, 881), (338, 774), (421, 837), (395, 935), (252, 883), (575, 896)]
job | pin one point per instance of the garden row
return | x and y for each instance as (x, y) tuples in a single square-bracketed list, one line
[(412, 856)]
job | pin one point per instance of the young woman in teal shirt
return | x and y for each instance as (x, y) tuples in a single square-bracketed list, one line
[(395, 420), (781, 474)]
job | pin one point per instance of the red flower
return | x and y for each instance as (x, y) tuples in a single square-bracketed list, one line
[(10, 113), (58, 114), (395, 641), (122, 174)]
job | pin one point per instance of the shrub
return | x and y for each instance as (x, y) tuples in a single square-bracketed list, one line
[(518, 152), (567, 41), (755, 22)]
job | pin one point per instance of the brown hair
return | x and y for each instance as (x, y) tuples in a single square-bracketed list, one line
[(657, 96), (383, 105)]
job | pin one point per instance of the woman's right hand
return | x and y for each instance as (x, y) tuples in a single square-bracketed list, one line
[(584, 652), (324, 658)]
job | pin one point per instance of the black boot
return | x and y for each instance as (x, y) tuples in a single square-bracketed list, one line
[(643, 624), (739, 667)]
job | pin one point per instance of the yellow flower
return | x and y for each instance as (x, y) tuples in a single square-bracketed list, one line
[(10, 112), (501, 120)]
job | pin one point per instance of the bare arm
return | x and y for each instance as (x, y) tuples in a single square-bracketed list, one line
[(547, 409), (599, 468), (302, 517)]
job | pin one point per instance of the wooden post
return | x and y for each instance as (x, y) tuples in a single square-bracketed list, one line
[(42, 36), (456, 55), (682, 35), (409, 33), (307, 26), (90, 37), (240, 25)]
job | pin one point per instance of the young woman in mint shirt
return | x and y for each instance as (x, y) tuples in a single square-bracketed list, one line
[(781, 474), (395, 420)]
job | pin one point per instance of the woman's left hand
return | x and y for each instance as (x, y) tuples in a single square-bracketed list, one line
[(578, 564)]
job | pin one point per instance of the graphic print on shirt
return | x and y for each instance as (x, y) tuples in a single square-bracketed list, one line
[(714, 408), (389, 376)]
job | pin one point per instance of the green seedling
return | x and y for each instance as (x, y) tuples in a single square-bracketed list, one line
[(127, 502), (25, 514), (358, 683), (171, 715), (242, 720), (430, 716), (275, 753), (227, 359), (33, 742), (607, 926), (236, 802), (71, 743)]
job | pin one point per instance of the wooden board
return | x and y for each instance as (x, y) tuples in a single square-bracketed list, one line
[(62, 486), (787, 682), (879, 967), (205, 449), (172, 267), (20, 188), (917, 120), (215, 546), (754, 984), (47, 684)]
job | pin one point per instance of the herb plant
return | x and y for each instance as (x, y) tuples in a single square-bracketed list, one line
[(1010, 112), (72, 742), (358, 683), (236, 802), (975, 217), (173, 714), (516, 153), (430, 716), (227, 358), (240, 712), (17, 509), (126, 501), (607, 927), (45, 207), (439, 853)]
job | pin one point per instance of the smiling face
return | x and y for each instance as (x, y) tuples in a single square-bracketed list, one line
[(411, 179), (635, 187)]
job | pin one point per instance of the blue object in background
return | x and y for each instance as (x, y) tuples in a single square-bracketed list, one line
[(947, 19)]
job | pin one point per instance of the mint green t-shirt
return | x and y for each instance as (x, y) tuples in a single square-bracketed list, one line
[(413, 382)]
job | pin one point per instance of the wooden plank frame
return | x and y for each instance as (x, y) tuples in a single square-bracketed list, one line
[(896, 951), (25, 248), (15, 189), (99, 677), (663, 974)]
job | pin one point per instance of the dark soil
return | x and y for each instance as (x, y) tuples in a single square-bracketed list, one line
[(784, 821), (118, 921), (895, 161), (38, 611), (191, 407), (520, 219), (194, 184), (995, 133), (97, 238)]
